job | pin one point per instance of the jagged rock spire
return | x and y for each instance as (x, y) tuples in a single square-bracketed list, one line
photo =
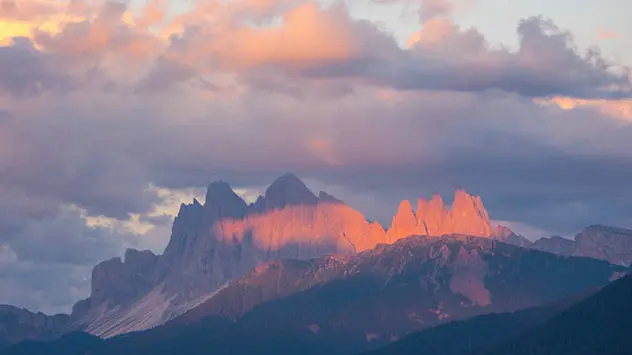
[(467, 216), (223, 202), (288, 190)]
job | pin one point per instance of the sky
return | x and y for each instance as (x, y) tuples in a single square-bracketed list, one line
[(114, 113)]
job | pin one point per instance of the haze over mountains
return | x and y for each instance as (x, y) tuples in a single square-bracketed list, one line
[(336, 271)]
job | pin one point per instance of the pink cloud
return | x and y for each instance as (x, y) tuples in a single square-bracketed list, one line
[(306, 35), (605, 34)]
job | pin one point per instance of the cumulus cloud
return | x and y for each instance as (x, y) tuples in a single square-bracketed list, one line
[(104, 117), (25, 71)]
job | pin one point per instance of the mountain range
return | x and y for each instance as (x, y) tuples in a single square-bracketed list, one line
[(343, 305), (315, 267), (598, 323)]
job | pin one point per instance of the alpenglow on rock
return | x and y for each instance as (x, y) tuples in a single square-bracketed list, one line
[(467, 216), (225, 238)]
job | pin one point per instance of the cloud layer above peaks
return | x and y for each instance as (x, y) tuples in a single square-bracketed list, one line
[(110, 113)]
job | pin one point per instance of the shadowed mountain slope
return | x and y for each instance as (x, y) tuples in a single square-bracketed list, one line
[(599, 325), (344, 305)]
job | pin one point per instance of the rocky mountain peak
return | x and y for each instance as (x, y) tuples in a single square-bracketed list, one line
[(288, 190), (325, 197), (502, 232), (222, 240), (431, 214), (467, 216), (465, 203), (607, 243), (404, 222), (223, 202)]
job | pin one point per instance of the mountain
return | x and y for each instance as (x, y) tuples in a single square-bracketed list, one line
[(596, 324), (346, 304), (215, 243), (18, 324), (74, 343), (385, 293), (599, 242), (476, 333), (599, 325), (466, 216), (223, 239)]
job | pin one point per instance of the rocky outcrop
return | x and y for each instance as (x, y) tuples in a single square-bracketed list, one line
[(404, 222), (415, 283), (555, 245), (288, 190), (325, 197), (504, 234), (116, 281), (220, 241), (598, 242), (467, 216), (224, 239), (19, 324), (605, 243)]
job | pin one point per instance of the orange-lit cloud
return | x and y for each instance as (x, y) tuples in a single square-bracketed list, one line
[(605, 34), (621, 109), (323, 150), (434, 31), (10, 28), (306, 34), (21, 18)]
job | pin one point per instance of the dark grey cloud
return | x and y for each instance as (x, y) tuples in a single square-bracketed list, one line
[(384, 125), (47, 252), (547, 63), (24, 71), (50, 288)]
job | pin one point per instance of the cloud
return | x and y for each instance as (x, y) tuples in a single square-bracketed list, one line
[(430, 9), (605, 34), (118, 115), (442, 57), (24, 71), (47, 251), (327, 44), (621, 109)]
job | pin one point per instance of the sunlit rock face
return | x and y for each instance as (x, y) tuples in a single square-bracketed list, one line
[(467, 216), (393, 289), (220, 241), (225, 238)]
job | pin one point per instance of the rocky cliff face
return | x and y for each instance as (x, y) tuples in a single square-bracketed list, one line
[(467, 216), (18, 324), (598, 242), (223, 239), (415, 283), (220, 241)]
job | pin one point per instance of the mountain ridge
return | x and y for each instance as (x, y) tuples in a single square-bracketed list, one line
[(225, 238), (344, 304)]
